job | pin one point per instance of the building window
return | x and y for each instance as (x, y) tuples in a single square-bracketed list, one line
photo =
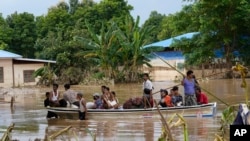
[(28, 76), (1, 75)]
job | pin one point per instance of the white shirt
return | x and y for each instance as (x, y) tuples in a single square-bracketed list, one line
[(54, 96), (147, 84)]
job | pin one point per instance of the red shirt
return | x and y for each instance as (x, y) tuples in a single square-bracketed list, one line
[(202, 98)]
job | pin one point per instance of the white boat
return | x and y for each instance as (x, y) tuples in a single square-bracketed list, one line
[(204, 110)]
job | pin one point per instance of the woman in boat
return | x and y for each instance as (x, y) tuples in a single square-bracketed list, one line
[(162, 102)]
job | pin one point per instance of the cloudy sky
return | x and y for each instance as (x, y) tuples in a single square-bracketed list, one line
[(141, 7)]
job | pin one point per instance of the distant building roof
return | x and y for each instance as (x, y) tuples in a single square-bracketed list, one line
[(168, 42), (6, 54), (169, 55), (35, 60)]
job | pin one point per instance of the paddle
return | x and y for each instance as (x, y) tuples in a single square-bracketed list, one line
[(184, 75)]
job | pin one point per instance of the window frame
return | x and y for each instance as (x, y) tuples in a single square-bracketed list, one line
[(1, 75), (28, 76)]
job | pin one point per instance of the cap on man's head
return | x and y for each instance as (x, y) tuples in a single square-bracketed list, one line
[(96, 94)]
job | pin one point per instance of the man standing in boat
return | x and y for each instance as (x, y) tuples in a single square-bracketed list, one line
[(147, 91), (70, 95), (189, 89)]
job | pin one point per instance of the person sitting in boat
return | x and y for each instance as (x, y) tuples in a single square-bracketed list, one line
[(201, 96), (168, 99), (98, 104), (177, 99), (47, 103), (103, 89), (162, 102), (70, 95), (82, 106), (113, 101), (105, 97), (54, 96), (114, 96)]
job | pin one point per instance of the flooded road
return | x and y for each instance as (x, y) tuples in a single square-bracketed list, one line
[(29, 114)]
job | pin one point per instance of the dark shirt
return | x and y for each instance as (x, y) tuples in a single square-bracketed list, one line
[(49, 114), (177, 99), (46, 102), (98, 103)]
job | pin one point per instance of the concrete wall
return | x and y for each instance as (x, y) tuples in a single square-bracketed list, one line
[(18, 73), (7, 72), (161, 71)]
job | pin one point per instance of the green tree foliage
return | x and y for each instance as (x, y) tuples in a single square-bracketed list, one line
[(222, 25), (118, 53), (179, 23), (154, 20), (5, 33), (132, 50), (23, 34)]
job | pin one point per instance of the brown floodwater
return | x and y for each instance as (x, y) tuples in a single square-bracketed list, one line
[(29, 114)]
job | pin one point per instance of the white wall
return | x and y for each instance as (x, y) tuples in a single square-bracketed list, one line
[(7, 72), (18, 73)]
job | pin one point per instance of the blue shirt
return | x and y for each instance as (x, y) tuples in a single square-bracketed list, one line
[(189, 86), (98, 103)]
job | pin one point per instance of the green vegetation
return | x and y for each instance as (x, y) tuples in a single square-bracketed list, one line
[(103, 40)]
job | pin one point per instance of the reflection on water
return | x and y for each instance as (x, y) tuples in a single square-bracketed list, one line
[(29, 114)]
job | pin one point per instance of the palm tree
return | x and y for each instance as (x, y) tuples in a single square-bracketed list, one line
[(101, 49), (134, 55)]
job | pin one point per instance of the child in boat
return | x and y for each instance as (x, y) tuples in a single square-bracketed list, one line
[(47, 103), (82, 106)]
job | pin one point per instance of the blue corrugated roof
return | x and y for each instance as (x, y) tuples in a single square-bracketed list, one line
[(168, 42), (169, 55), (6, 54)]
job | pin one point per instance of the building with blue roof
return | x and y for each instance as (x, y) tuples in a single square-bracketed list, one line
[(18, 71), (168, 42)]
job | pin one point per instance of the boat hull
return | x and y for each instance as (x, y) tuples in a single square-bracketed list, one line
[(205, 110)]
